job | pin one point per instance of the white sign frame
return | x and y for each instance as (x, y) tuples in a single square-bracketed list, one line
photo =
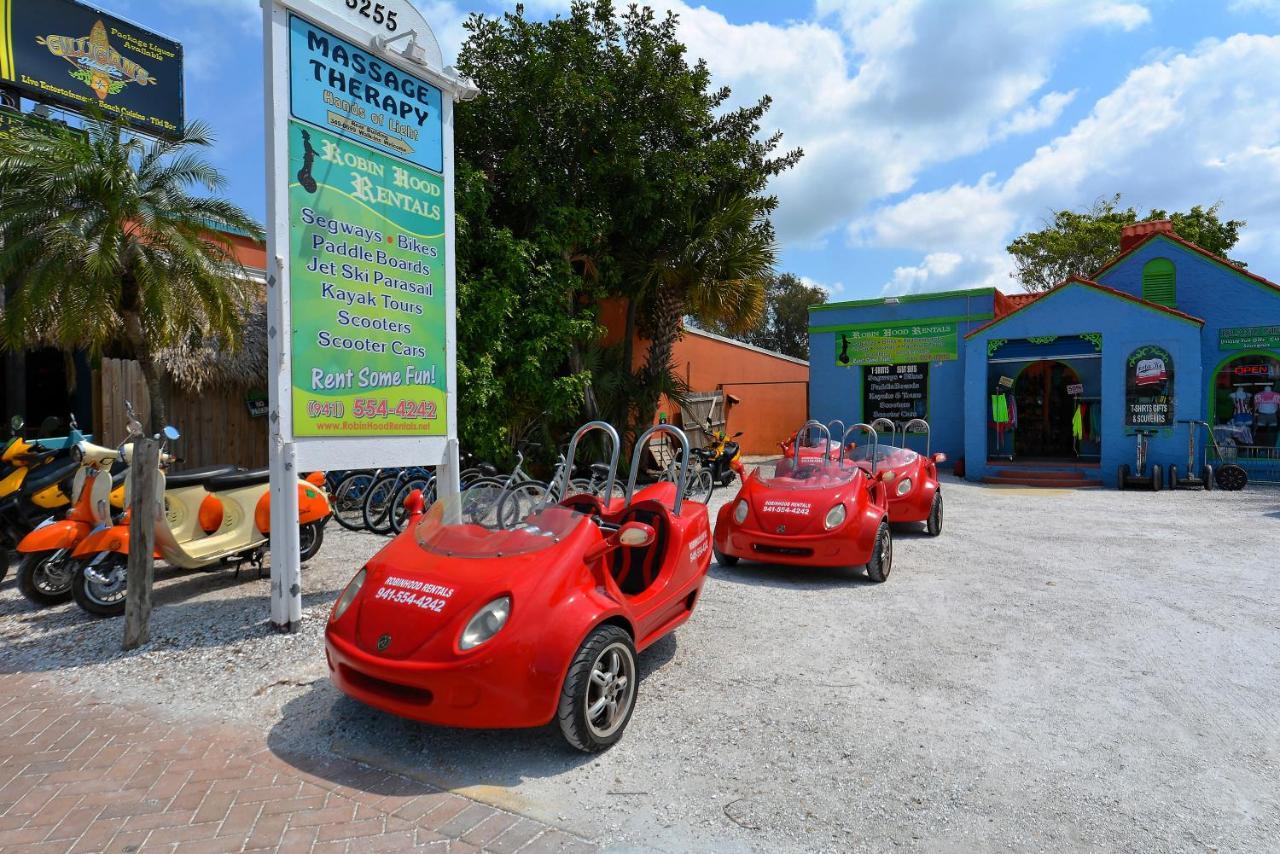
[(291, 455)]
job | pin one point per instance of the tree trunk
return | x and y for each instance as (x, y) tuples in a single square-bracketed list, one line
[(150, 370), (667, 309)]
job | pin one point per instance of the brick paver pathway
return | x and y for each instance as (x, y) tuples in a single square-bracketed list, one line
[(77, 774)]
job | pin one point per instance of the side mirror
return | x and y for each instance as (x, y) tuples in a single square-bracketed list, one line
[(636, 534), (939, 457), (737, 435), (415, 503), (17, 423), (171, 433)]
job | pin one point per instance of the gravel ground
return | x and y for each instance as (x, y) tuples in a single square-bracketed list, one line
[(1059, 670)]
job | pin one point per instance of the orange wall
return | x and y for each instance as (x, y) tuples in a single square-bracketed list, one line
[(773, 391)]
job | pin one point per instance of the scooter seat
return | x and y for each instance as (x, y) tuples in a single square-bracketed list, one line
[(191, 477), (49, 474), (237, 479), (600, 470)]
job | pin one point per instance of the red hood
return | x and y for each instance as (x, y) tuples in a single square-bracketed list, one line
[(796, 511), (422, 599)]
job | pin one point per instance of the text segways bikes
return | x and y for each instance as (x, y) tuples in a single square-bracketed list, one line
[(1143, 479)]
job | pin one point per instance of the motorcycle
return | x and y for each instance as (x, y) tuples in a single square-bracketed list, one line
[(202, 521), (723, 456)]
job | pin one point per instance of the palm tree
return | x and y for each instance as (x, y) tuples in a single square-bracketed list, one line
[(103, 243), (715, 271)]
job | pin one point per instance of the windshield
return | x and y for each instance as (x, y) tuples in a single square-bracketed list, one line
[(885, 455), (810, 474), (488, 522)]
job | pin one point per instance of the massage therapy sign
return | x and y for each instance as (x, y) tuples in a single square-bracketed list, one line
[(367, 239)]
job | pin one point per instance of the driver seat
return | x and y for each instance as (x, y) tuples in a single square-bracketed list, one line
[(636, 568)]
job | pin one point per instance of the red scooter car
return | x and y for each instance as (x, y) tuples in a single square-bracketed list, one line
[(915, 494), (818, 512), (475, 618)]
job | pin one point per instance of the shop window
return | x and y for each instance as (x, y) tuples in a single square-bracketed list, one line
[(1246, 402), (1158, 283)]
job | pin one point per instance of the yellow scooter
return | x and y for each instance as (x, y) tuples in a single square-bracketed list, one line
[(220, 519)]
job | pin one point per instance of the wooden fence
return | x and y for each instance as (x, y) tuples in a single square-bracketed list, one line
[(216, 426)]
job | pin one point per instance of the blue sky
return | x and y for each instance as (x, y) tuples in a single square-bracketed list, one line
[(935, 130)]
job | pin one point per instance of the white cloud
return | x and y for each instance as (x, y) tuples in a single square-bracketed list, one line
[(944, 271), (1267, 7), (830, 289), (1195, 128), (877, 92)]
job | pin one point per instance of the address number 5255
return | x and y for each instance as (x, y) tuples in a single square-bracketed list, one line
[(376, 12)]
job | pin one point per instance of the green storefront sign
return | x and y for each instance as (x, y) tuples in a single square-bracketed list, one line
[(367, 290), (896, 343), (1249, 338)]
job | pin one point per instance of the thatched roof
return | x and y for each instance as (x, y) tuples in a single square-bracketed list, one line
[(211, 364)]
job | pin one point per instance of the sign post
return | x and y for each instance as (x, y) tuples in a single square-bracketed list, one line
[(361, 289)]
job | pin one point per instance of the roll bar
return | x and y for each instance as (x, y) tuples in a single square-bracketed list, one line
[(606, 428), (893, 428), (642, 442), (928, 434), (809, 425), (875, 443)]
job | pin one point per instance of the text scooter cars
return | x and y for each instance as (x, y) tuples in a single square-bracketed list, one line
[(818, 512), (479, 618)]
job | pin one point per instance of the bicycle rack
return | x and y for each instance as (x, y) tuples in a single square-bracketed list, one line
[(875, 442), (928, 434), (615, 446), (641, 443), (893, 430)]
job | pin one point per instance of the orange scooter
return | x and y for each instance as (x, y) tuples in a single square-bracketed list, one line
[(230, 524)]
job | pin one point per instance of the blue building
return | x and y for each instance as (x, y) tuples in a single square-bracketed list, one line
[(1056, 385)]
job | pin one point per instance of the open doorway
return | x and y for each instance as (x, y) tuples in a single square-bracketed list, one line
[(1045, 409)]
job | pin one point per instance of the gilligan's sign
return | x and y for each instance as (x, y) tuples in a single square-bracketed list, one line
[(83, 59)]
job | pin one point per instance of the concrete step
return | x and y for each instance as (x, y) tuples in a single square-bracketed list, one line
[(1023, 479), (1042, 474)]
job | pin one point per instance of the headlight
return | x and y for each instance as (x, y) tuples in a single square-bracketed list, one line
[(77, 453), (740, 512), (348, 596), (904, 486), (486, 623), (835, 517)]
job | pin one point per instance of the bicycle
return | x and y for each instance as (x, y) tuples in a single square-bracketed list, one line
[(347, 498), (382, 513), (700, 483)]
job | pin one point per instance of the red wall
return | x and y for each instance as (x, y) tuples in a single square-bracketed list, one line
[(773, 391)]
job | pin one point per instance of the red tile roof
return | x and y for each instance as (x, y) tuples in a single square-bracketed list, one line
[(1026, 300)]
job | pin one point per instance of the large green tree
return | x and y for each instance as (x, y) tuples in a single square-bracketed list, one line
[(596, 150), (1077, 243), (784, 325), (106, 242)]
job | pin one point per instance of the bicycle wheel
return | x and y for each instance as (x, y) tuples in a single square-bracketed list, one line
[(399, 514), (520, 501), (377, 503), (479, 502), (348, 500), (699, 486)]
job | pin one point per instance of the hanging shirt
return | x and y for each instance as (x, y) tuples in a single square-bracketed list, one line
[(1243, 402), (1266, 402), (1077, 424), (1000, 409)]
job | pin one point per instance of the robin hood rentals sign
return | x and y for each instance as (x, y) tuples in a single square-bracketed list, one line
[(80, 58), (896, 343)]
